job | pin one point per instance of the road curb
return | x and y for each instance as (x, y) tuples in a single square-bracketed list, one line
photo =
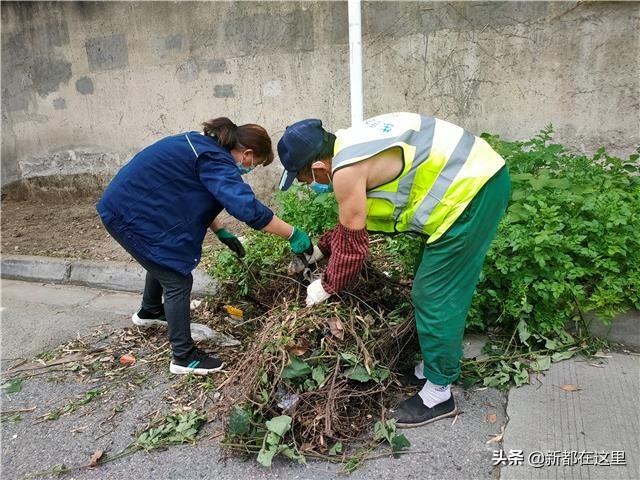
[(123, 276)]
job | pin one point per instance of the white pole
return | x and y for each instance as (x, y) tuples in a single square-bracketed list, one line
[(355, 61)]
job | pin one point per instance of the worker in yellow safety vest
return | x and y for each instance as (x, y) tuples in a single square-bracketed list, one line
[(407, 173)]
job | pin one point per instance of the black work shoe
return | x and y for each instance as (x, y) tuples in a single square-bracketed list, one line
[(197, 362), (407, 378), (413, 413), (145, 318)]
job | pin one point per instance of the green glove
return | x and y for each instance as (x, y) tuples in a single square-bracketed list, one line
[(231, 241), (300, 242)]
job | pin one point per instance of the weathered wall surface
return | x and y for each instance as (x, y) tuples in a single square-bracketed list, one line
[(84, 85)]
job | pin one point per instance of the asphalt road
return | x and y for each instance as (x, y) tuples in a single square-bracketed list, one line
[(38, 317)]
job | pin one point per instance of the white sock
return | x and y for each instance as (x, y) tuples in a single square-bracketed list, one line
[(418, 371), (432, 394)]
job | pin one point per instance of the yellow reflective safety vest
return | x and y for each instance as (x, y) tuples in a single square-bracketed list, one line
[(444, 168)]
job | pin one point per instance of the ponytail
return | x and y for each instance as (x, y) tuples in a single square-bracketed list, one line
[(229, 135), (223, 130)]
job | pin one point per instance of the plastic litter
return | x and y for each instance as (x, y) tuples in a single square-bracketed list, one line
[(234, 312), (287, 400), (201, 332)]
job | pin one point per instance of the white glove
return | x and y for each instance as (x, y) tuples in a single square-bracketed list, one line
[(316, 293), (296, 265), (316, 256)]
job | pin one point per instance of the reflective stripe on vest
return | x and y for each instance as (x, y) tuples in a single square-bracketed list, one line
[(443, 181)]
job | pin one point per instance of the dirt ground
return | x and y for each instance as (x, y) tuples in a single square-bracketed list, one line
[(69, 228)]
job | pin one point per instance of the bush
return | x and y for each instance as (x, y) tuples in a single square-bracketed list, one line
[(302, 207), (570, 240)]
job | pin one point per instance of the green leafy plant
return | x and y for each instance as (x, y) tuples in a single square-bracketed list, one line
[(74, 405), (263, 253), (273, 443), (312, 212), (336, 449), (297, 368), (510, 362), (569, 242), (175, 429), (239, 422), (386, 431), (298, 206), (358, 372), (13, 386)]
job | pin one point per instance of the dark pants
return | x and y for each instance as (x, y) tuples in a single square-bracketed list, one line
[(177, 298)]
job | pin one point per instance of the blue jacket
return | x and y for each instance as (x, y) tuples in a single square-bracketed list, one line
[(161, 202)]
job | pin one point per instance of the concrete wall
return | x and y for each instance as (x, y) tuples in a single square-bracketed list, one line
[(84, 85)]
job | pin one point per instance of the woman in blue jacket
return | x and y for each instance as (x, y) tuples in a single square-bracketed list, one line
[(160, 204)]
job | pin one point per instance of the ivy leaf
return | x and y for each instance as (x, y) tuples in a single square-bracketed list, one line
[(552, 344), (499, 380), (358, 373), (399, 442), (265, 455), (380, 432), (318, 374), (336, 449), (273, 438), (297, 368), (558, 356), (291, 454), (239, 422), (279, 425), (541, 363), (523, 332), (381, 374), (521, 378), (349, 357)]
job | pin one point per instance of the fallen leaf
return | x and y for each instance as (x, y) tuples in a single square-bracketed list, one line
[(337, 329), (491, 417), (298, 350), (498, 437), (95, 458), (569, 387), (128, 359)]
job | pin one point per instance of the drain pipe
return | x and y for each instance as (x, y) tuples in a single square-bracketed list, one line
[(355, 61)]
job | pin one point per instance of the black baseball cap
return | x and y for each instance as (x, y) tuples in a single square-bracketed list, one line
[(300, 144)]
